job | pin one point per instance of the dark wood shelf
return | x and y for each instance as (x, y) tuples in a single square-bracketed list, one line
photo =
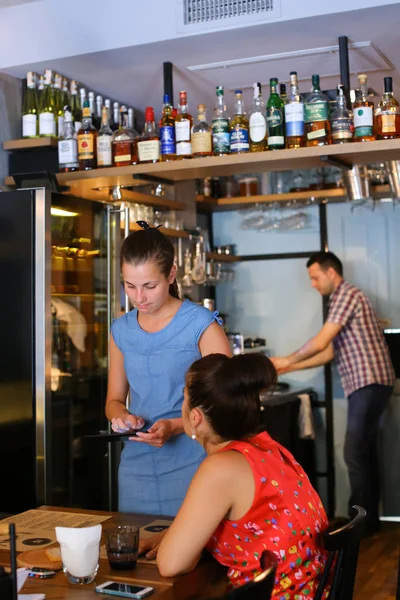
[(30, 143), (227, 258)]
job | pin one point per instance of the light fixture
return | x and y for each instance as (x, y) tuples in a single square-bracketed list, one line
[(60, 212)]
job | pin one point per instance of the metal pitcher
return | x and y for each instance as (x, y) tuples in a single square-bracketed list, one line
[(392, 168), (357, 184)]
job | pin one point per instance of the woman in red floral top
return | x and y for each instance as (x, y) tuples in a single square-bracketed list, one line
[(249, 494)]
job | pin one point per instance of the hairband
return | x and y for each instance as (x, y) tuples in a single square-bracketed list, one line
[(144, 225)]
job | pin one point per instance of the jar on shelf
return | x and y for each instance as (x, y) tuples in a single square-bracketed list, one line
[(248, 186)]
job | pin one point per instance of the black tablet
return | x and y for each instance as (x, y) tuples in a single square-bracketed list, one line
[(113, 436)]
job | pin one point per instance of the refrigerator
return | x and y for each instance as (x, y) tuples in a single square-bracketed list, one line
[(59, 293)]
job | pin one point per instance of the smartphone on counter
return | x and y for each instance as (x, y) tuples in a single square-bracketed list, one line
[(126, 590)]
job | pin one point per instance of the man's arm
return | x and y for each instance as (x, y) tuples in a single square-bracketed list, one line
[(314, 346), (315, 361)]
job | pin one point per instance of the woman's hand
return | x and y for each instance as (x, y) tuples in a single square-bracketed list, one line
[(149, 546), (160, 432), (126, 423)]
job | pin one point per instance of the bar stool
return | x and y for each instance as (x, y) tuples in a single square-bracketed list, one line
[(343, 545)]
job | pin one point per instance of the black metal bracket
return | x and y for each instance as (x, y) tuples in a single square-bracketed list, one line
[(336, 162), (39, 179), (168, 81), (153, 179), (281, 256), (344, 66)]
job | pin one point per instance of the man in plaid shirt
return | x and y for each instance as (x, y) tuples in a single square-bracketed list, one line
[(352, 336)]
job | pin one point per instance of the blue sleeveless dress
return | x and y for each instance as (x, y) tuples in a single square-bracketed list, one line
[(155, 480)]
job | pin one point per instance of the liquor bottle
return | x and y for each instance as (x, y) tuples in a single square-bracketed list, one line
[(58, 102), (40, 90), (316, 116), (294, 115), (30, 108), (76, 107), (363, 110), (387, 114), (220, 126), (148, 145), (201, 135), (131, 118), (82, 96), (183, 128), (282, 92), (239, 127), (342, 127), (92, 106), (124, 147), (99, 109), (47, 119), (104, 141), (116, 117), (68, 145), (167, 132), (87, 136), (257, 121), (107, 104), (66, 101), (275, 118)]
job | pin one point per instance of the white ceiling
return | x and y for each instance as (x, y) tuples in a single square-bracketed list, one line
[(134, 75)]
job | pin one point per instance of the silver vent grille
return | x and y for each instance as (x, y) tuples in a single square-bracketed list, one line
[(196, 12)]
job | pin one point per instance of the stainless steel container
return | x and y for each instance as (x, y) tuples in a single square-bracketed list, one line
[(392, 168), (357, 184)]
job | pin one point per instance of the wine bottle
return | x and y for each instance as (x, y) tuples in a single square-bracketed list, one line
[(76, 108), (67, 145), (47, 119), (30, 108), (58, 102)]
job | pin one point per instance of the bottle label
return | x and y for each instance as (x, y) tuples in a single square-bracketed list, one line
[(104, 152), (363, 121), (167, 139), (183, 149), (239, 139), (315, 111), (316, 134), (148, 150), (67, 152), (276, 140), (201, 142), (85, 146), (47, 124), (294, 114), (122, 158), (274, 117), (388, 123), (257, 127), (341, 130), (60, 125), (182, 131), (29, 125), (221, 136)]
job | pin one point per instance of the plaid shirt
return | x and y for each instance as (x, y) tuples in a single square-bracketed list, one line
[(361, 353)]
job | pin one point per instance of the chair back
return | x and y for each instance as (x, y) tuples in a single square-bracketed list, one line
[(343, 545)]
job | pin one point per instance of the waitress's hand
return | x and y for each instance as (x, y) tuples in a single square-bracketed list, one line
[(281, 363), (127, 423), (159, 433)]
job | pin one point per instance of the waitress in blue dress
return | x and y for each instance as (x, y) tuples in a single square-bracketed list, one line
[(151, 348)]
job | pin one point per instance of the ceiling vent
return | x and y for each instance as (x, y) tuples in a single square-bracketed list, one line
[(204, 15)]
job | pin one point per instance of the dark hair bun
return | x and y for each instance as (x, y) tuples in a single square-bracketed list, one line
[(228, 391)]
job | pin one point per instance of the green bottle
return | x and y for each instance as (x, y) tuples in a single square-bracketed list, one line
[(275, 118), (220, 126), (30, 108), (47, 113)]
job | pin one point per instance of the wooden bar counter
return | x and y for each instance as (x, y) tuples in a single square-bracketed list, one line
[(204, 581)]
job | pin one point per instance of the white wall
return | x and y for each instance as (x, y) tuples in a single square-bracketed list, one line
[(273, 299)]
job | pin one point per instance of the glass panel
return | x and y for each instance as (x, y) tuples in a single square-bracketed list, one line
[(79, 352)]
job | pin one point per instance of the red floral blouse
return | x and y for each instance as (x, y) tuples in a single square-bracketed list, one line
[(286, 517)]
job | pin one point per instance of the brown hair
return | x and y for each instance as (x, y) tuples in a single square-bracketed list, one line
[(228, 391), (326, 260), (148, 245)]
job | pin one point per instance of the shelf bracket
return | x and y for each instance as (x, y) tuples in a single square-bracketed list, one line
[(336, 162), (153, 179), (39, 179)]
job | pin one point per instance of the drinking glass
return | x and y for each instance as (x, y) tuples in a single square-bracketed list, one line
[(122, 545), (80, 551)]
